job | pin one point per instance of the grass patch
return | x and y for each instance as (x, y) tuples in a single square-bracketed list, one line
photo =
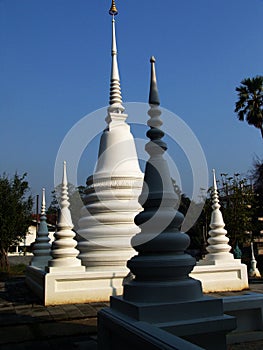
[(18, 269)]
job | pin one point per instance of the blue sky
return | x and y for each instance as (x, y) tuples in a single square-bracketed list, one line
[(55, 67)]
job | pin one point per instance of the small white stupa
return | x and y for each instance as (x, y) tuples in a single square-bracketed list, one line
[(63, 251), (253, 271), (219, 271), (107, 219), (41, 248), (64, 274), (162, 301)]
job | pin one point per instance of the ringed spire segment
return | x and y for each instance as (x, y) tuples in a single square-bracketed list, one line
[(214, 180), (115, 88)]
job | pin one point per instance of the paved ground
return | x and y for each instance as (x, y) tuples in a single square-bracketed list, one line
[(25, 324)]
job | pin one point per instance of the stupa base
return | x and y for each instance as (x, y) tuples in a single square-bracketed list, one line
[(199, 322), (221, 277), (70, 287)]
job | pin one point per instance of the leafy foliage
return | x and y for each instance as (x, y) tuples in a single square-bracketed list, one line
[(250, 103), (257, 176), (239, 208), (15, 213)]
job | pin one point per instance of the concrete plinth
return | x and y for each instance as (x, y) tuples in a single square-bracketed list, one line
[(72, 287), (195, 321), (221, 277), (129, 334), (248, 310)]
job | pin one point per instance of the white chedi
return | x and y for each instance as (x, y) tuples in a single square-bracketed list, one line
[(218, 247), (219, 271), (63, 251), (41, 247), (107, 219), (253, 272)]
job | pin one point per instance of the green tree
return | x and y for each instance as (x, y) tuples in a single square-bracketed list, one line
[(238, 206), (15, 213), (250, 103), (198, 231), (257, 176)]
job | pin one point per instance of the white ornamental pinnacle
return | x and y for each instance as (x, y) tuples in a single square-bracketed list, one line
[(161, 267), (218, 247), (115, 89), (41, 249), (65, 220), (43, 203), (63, 251)]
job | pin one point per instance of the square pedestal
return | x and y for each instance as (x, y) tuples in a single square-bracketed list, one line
[(200, 322), (73, 286), (221, 277)]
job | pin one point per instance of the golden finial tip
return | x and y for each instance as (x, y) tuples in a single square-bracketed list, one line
[(152, 59), (113, 10)]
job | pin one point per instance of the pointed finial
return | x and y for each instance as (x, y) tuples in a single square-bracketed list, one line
[(64, 177), (65, 215), (113, 10), (154, 95), (115, 88), (214, 179), (155, 133), (43, 203)]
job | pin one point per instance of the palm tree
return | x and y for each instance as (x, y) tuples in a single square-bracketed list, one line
[(250, 103)]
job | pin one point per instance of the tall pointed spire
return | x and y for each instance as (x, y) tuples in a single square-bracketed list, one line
[(153, 95), (65, 216), (214, 180), (161, 266), (115, 89), (43, 203)]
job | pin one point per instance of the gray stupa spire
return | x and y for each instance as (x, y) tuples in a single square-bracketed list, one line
[(161, 296), (154, 94), (160, 244)]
